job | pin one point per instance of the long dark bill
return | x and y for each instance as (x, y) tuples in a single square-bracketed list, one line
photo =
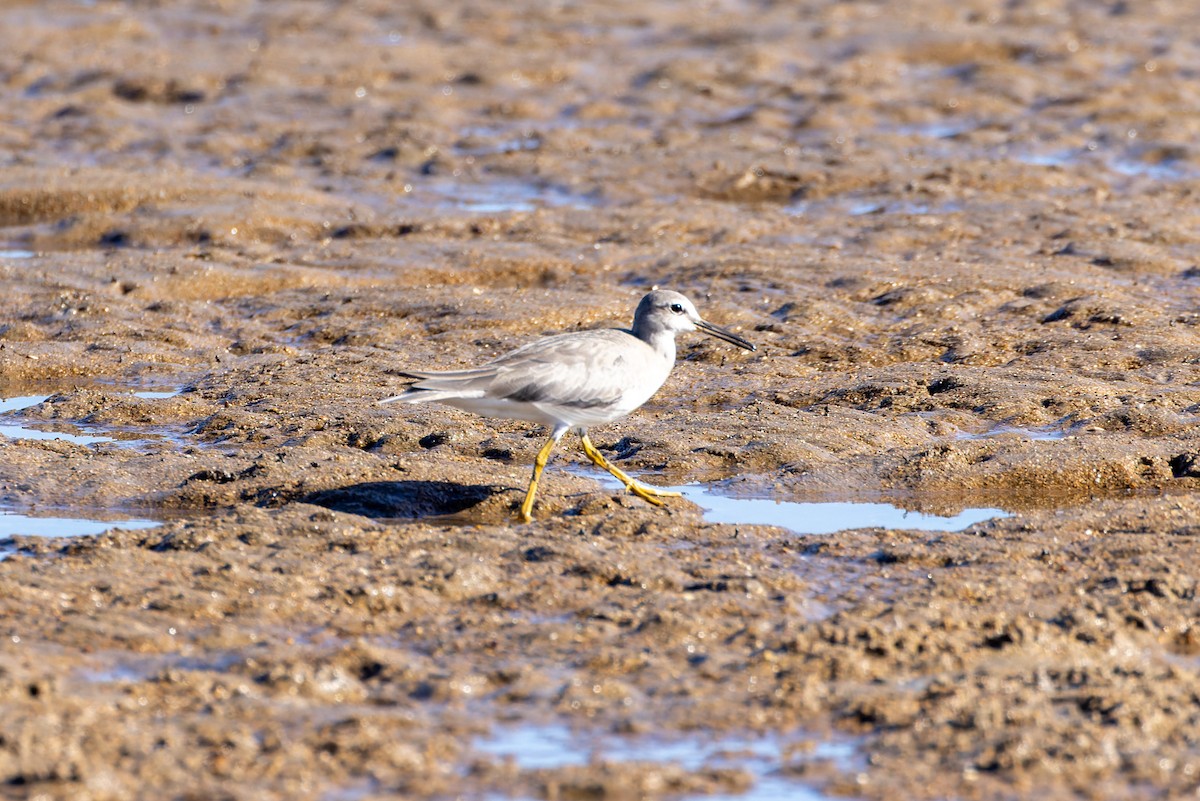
[(720, 333)]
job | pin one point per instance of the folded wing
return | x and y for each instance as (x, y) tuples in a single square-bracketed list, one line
[(582, 370)]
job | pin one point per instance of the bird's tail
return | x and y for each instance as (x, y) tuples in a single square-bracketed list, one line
[(417, 395), (430, 387), (403, 396)]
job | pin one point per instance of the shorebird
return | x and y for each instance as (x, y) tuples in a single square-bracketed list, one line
[(574, 381)]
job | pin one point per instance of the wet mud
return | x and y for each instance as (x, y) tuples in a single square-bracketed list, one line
[(965, 239)]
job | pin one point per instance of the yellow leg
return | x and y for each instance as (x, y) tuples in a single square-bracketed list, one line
[(646, 493), (539, 464)]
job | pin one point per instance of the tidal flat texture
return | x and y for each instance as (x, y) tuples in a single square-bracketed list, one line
[(965, 236)]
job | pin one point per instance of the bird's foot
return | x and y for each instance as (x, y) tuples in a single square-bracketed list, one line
[(659, 492), (651, 494)]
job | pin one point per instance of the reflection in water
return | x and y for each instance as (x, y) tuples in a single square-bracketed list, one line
[(29, 432), (22, 402), (555, 746), (26, 432), (119, 667), (497, 196), (1017, 432), (816, 517), (1129, 164), (826, 518), (14, 524)]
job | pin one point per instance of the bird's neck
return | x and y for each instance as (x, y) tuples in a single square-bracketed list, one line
[(663, 343)]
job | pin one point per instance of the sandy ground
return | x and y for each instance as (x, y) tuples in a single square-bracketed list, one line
[(964, 235)]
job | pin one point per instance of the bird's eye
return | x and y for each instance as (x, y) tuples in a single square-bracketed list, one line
[(677, 308)]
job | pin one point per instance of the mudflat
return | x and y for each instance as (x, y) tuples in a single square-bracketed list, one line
[(965, 238)]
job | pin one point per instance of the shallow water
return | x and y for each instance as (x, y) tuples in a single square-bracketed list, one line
[(16, 254), (824, 517), (170, 393), (19, 431), (827, 517), (859, 207), (13, 524), (20, 402), (25, 432), (498, 196), (119, 668), (30, 432), (555, 746), (1120, 164), (1016, 431), (186, 215)]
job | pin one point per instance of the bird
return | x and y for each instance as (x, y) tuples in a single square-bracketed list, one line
[(574, 381)]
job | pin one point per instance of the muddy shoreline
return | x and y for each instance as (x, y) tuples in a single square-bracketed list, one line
[(964, 240)]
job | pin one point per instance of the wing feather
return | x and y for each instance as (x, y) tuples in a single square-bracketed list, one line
[(580, 370), (586, 369)]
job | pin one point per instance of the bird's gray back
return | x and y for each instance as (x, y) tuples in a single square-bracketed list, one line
[(585, 369), (602, 369)]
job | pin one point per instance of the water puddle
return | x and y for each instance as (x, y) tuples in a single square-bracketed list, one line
[(819, 517), (768, 758), (20, 402), (827, 517), (1157, 161), (16, 524), (1165, 170), (865, 207), (1015, 432), (31, 431), (1127, 164), (26, 432), (497, 196), (16, 254), (20, 431), (1062, 158), (487, 140), (123, 668), (939, 130)]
